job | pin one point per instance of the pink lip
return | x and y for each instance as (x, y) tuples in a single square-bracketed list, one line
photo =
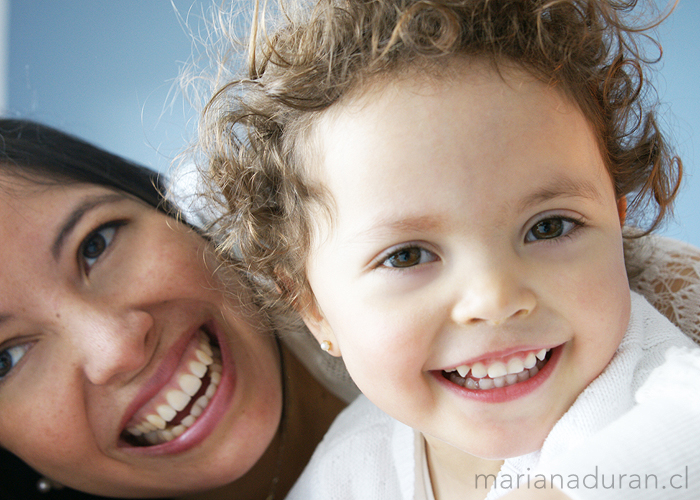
[(508, 393), (208, 420)]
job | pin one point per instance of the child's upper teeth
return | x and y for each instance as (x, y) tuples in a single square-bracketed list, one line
[(515, 365), (530, 360), (479, 370), (498, 369)]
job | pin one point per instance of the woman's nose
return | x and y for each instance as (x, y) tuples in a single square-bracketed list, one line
[(493, 293), (113, 346)]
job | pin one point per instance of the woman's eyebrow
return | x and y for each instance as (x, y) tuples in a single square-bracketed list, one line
[(73, 218), (4, 318)]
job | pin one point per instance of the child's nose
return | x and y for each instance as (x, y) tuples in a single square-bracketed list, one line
[(493, 292)]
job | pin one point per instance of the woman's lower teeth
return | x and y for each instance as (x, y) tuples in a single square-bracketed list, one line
[(163, 426)]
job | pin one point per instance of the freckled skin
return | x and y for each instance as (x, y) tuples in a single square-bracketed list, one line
[(94, 338)]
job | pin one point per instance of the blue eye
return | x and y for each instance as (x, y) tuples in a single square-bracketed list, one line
[(10, 357), (408, 257), (95, 244), (552, 228)]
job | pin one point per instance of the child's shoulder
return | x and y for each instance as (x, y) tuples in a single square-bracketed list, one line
[(651, 332), (361, 422), (365, 454)]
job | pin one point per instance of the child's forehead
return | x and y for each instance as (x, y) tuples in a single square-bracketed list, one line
[(412, 91), (385, 93), (430, 77), (459, 121)]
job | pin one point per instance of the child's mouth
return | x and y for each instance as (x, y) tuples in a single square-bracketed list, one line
[(500, 373), (195, 385)]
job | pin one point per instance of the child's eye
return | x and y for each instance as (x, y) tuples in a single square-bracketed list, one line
[(10, 357), (95, 244), (552, 228), (408, 257)]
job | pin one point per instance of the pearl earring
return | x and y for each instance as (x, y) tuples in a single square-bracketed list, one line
[(326, 345), (45, 485)]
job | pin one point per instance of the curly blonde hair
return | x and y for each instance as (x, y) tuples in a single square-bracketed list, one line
[(255, 129)]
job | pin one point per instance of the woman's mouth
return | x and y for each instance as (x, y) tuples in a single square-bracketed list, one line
[(182, 400), (501, 373)]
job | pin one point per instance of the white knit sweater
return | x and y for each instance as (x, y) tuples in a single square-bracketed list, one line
[(621, 423), (632, 419)]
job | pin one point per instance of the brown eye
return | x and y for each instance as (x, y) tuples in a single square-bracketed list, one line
[(552, 228), (549, 228), (409, 257), (10, 357), (95, 244)]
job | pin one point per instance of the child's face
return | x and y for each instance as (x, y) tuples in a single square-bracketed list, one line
[(474, 224)]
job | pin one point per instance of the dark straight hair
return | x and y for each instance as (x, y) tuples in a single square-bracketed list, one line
[(42, 154)]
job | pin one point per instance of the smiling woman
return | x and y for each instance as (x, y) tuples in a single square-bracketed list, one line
[(125, 369)]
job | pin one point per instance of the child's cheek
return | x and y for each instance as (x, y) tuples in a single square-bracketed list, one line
[(386, 351)]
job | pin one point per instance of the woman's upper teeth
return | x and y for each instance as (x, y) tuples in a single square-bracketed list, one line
[(152, 422), (500, 368)]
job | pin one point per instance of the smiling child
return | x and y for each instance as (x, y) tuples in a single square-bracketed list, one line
[(440, 189)]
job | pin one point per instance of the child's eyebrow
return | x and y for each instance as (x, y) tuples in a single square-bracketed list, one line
[(561, 187), (417, 224)]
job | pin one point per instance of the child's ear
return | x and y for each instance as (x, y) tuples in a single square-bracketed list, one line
[(318, 326), (622, 209)]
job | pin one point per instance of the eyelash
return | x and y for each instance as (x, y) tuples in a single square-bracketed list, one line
[(576, 224), (5, 370), (381, 261), (112, 227)]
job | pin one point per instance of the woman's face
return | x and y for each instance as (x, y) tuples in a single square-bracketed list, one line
[(106, 309)]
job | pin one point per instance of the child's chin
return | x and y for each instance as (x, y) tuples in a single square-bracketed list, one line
[(501, 444)]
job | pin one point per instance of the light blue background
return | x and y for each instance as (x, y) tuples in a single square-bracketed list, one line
[(103, 70), (679, 87)]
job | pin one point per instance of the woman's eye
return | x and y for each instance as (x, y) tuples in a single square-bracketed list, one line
[(10, 357), (409, 257), (96, 243), (551, 228)]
